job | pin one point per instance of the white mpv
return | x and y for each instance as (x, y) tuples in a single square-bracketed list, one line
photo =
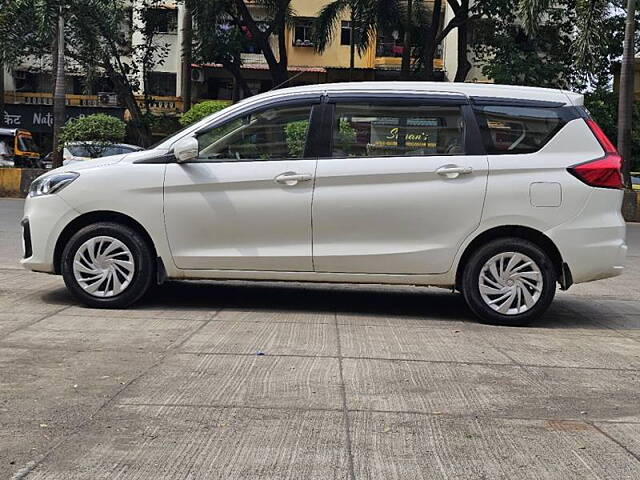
[(498, 192)]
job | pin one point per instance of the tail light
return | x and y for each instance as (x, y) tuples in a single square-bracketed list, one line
[(604, 172)]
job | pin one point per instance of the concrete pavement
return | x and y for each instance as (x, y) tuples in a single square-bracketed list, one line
[(263, 380)]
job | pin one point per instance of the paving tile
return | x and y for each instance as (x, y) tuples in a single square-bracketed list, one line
[(274, 316), (11, 321), (407, 446), (400, 321), (144, 312), (627, 434), (79, 333), (491, 390), (182, 442), (565, 350), (46, 394), (415, 343), (240, 380), (262, 336)]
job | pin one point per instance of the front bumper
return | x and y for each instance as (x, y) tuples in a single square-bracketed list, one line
[(44, 220)]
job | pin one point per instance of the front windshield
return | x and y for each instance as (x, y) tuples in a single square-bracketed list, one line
[(26, 144), (79, 151)]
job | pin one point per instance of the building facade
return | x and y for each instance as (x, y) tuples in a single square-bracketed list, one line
[(31, 83)]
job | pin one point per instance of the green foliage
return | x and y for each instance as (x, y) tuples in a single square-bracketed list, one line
[(346, 136), (558, 53), (603, 107), (95, 132), (296, 132), (201, 110)]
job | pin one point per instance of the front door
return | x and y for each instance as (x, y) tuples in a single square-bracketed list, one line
[(245, 204), (401, 189)]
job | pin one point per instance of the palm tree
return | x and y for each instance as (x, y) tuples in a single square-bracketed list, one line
[(368, 17), (591, 14)]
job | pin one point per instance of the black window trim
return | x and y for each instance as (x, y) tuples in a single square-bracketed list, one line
[(473, 144), (514, 102), (566, 114), (261, 108), (311, 99)]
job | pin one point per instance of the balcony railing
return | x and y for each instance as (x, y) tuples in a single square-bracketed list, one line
[(158, 105)]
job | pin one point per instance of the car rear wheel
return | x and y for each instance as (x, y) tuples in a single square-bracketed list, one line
[(509, 281), (107, 265)]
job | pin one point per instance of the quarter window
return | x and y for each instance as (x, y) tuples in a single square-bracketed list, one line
[(366, 130), (514, 130), (272, 134)]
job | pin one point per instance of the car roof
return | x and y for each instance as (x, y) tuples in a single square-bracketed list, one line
[(471, 90)]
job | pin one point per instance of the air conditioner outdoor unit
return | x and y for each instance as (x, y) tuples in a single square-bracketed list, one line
[(107, 98), (197, 75)]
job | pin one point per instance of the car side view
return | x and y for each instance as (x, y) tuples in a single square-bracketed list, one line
[(499, 192)]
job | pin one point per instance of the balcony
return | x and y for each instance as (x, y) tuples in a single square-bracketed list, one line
[(158, 105)]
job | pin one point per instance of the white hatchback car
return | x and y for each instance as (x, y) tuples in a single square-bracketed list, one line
[(499, 192)]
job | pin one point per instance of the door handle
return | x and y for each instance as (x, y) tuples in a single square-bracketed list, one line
[(453, 171), (292, 178)]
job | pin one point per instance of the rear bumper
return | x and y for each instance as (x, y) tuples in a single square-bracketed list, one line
[(593, 243), (43, 221)]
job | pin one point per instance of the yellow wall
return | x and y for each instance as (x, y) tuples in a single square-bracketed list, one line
[(335, 55)]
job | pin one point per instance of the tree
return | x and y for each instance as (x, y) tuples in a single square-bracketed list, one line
[(591, 15), (506, 54), (95, 42), (368, 17), (37, 27), (223, 44), (94, 132), (201, 110), (625, 110)]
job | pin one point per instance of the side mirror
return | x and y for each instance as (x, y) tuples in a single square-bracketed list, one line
[(186, 149)]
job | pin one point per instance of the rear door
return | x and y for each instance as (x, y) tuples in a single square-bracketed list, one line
[(401, 186)]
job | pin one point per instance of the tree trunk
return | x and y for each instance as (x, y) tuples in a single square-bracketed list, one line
[(405, 67), (352, 46), (430, 46), (59, 116), (625, 104), (277, 68), (1, 91), (187, 39), (464, 66), (239, 80)]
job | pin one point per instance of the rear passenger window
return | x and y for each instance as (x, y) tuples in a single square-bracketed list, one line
[(368, 130), (511, 130)]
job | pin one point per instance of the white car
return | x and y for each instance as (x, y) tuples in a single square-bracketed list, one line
[(499, 192)]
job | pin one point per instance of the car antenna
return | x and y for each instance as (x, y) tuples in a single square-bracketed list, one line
[(286, 81)]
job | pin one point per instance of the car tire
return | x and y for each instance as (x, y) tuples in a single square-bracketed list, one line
[(509, 281), (113, 254)]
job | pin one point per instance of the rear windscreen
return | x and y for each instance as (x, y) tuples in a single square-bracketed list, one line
[(513, 130)]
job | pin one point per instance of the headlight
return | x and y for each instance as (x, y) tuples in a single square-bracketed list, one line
[(51, 183)]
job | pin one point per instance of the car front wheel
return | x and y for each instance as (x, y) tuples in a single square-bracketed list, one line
[(107, 265), (509, 281)]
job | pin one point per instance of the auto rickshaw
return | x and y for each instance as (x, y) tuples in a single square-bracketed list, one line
[(17, 146)]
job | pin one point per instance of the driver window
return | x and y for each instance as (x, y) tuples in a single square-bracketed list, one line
[(274, 134)]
